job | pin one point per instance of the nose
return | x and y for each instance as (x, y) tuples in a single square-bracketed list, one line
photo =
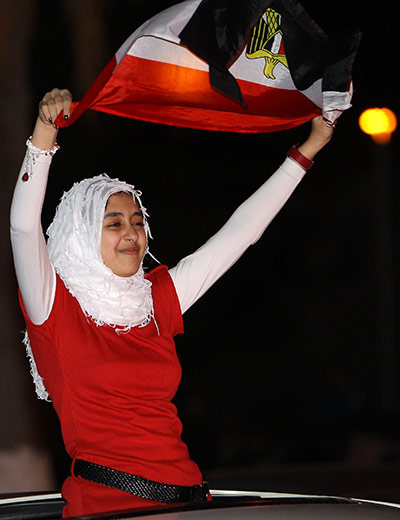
[(131, 234)]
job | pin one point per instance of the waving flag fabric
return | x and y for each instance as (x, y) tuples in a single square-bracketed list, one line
[(232, 65)]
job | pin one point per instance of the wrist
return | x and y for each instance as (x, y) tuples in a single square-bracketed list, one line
[(44, 135), (310, 148), (297, 155), (33, 154)]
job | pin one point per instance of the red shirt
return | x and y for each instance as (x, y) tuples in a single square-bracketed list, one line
[(112, 393)]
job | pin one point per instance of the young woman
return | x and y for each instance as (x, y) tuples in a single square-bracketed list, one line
[(100, 331)]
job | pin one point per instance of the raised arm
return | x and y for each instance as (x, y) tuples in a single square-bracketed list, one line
[(35, 275), (195, 274)]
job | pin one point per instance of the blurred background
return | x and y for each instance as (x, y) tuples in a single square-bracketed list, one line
[(291, 360)]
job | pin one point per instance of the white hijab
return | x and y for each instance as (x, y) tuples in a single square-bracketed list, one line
[(74, 246)]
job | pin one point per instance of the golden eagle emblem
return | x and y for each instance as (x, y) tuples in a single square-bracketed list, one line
[(266, 42)]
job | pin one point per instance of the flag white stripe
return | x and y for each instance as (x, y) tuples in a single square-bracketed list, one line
[(157, 40), (165, 25)]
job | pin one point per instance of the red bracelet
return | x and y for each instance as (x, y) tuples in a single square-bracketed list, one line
[(300, 158)]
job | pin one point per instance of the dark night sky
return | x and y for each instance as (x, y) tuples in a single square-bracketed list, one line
[(284, 358)]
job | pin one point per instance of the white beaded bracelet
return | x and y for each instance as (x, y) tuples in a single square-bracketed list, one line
[(34, 153)]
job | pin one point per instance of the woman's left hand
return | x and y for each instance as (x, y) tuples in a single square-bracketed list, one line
[(320, 135)]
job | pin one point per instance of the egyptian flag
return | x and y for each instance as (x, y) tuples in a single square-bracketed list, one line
[(229, 65)]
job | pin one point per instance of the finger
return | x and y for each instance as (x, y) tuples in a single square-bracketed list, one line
[(67, 100), (329, 123), (55, 103), (44, 113), (48, 107)]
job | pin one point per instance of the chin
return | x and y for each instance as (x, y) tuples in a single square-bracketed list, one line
[(127, 273)]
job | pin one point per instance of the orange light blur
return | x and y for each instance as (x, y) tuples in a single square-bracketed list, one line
[(379, 123)]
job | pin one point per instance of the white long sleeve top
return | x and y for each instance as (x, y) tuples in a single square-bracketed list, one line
[(192, 276)]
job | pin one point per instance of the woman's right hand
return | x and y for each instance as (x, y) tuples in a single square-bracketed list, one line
[(53, 102)]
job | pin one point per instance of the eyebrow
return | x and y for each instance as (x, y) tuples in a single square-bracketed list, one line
[(119, 214)]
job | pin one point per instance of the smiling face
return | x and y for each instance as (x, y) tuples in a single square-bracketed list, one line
[(123, 239)]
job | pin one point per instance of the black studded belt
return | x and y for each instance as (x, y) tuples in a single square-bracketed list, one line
[(141, 487)]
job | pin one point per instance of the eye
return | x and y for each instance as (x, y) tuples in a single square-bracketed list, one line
[(114, 224)]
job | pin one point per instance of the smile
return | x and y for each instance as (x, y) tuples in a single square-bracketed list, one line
[(130, 251)]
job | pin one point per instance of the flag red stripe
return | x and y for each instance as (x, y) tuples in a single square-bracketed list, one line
[(204, 119), (170, 94)]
